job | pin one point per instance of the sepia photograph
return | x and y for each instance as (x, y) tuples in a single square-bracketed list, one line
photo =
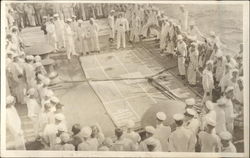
[(137, 77)]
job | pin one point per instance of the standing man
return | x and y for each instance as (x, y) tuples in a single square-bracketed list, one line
[(229, 109), (82, 38), (38, 13), (135, 28), (111, 22), (191, 122), (50, 28), (122, 28), (207, 139), (69, 40), (13, 123), (193, 64), (208, 81), (181, 54), (59, 29), (94, 39), (182, 139), (220, 116), (162, 132), (163, 34)]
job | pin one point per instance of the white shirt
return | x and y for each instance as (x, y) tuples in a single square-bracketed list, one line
[(13, 121), (111, 21), (162, 133), (208, 141), (122, 25), (33, 107), (182, 140), (207, 80), (220, 119)]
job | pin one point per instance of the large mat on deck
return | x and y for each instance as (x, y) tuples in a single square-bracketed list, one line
[(119, 80)]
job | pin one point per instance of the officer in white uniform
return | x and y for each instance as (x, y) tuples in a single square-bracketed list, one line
[(51, 30), (181, 54), (59, 29), (122, 27), (162, 132), (69, 40), (111, 22), (208, 81), (182, 139), (229, 109), (163, 34), (220, 116)]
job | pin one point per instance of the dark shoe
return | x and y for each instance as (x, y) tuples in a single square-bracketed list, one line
[(183, 77)]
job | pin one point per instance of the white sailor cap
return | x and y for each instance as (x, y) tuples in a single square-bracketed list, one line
[(178, 117), (46, 81), (228, 89), (210, 121), (56, 15), (112, 11), (73, 16), (161, 116), (65, 137), (150, 129), (30, 57), (212, 33), (68, 20), (240, 79), (235, 70), (86, 132), (190, 101), (210, 105), (130, 124), (80, 21), (194, 44), (179, 37), (54, 99), (219, 54), (59, 117), (31, 91), (221, 101), (10, 100), (210, 62), (38, 58), (49, 93), (152, 142), (191, 112), (225, 135)]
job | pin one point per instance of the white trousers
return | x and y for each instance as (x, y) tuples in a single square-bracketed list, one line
[(121, 37), (181, 65)]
